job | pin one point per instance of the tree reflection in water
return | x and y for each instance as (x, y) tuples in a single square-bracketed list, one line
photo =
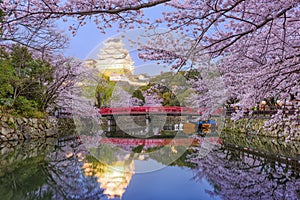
[(238, 175), (68, 171), (65, 176), (45, 170)]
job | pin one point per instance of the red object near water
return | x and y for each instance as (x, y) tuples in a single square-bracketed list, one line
[(160, 142), (149, 110)]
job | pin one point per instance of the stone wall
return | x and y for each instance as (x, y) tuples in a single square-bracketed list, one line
[(65, 127), (13, 128), (256, 127)]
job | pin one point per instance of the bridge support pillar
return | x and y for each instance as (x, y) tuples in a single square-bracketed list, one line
[(111, 121), (111, 128), (188, 117), (148, 119)]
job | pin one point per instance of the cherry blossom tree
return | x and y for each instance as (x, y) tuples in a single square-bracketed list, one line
[(121, 98), (208, 92), (256, 42), (252, 34), (60, 91), (152, 98), (32, 23), (38, 34), (32, 13)]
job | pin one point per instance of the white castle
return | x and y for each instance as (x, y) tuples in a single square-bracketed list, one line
[(113, 58), (114, 61)]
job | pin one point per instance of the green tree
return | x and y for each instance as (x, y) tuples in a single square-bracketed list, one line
[(166, 89), (23, 81), (32, 76), (139, 95), (169, 99), (104, 92), (41, 75), (7, 74)]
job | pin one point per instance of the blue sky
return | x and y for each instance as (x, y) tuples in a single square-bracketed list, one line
[(88, 38)]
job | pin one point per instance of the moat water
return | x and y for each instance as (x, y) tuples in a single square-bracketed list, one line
[(86, 168)]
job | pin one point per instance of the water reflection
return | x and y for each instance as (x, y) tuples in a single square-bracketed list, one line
[(114, 178), (66, 170), (239, 175), (45, 170)]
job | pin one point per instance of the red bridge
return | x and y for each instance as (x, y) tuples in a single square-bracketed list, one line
[(143, 110)]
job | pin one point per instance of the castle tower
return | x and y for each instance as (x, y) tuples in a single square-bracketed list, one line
[(113, 58)]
